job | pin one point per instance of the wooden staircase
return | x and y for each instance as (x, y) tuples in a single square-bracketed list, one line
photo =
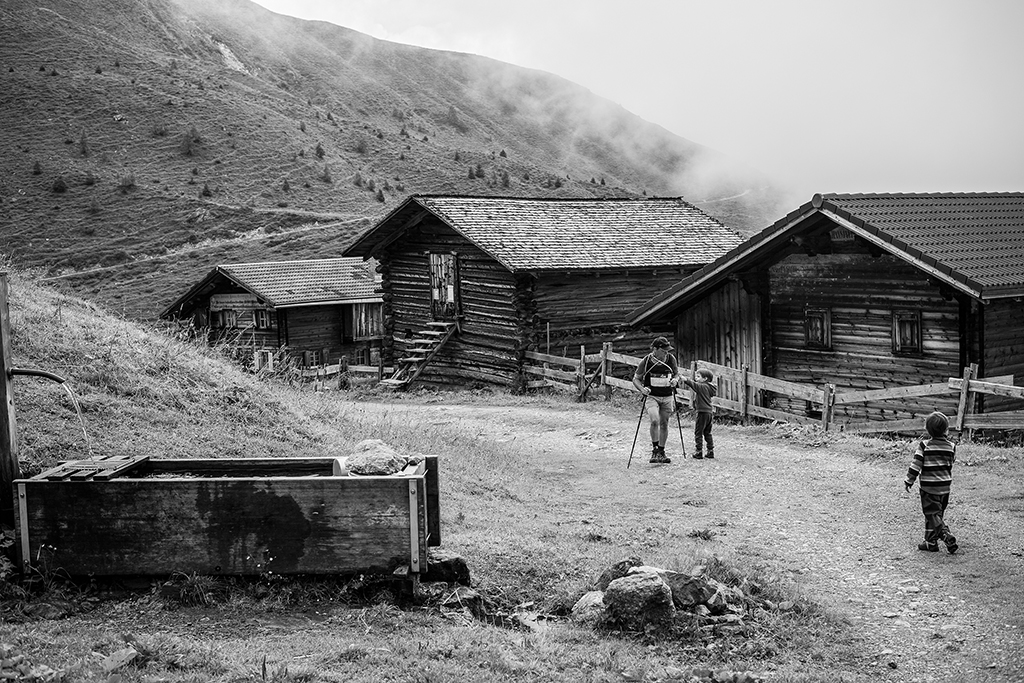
[(424, 347)]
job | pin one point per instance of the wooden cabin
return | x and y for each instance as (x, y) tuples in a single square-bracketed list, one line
[(470, 284), (865, 291), (305, 312)]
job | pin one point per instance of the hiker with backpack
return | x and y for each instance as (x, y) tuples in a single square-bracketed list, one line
[(656, 378)]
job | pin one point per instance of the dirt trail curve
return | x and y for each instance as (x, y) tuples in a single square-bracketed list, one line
[(841, 525)]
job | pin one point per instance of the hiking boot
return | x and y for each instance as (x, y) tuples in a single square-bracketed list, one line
[(930, 547), (710, 455), (951, 545), (655, 454), (698, 456)]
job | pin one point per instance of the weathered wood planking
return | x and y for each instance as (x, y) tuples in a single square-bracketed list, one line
[(232, 525)]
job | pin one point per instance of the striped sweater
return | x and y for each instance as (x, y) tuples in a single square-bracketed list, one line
[(933, 462)]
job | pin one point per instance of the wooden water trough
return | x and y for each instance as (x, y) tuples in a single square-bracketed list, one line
[(146, 516), (141, 516)]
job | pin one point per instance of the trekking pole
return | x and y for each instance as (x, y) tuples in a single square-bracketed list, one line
[(643, 404), (679, 421)]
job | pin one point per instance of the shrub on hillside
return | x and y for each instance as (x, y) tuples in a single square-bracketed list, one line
[(319, 151), (37, 168), (190, 141), (127, 183), (59, 186), (206, 192), (361, 146), (380, 196), (158, 130), (90, 179), (326, 175)]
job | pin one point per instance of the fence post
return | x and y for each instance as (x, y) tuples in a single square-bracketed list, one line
[(606, 363), (343, 372), (961, 409), (10, 469), (826, 405), (380, 366), (744, 390), (582, 374)]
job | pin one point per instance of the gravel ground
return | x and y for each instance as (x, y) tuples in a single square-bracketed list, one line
[(834, 517)]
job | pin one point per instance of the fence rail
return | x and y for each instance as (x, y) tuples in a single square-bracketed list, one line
[(752, 388)]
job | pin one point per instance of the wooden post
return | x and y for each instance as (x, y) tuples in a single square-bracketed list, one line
[(744, 390), (961, 409), (828, 392), (606, 363), (10, 469), (582, 374)]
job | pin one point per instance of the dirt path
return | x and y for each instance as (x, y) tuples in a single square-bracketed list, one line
[(839, 523)]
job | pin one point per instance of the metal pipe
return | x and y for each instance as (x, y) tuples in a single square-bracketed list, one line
[(37, 373)]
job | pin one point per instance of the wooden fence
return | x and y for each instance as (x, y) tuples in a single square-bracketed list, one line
[(750, 391), (341, 375)]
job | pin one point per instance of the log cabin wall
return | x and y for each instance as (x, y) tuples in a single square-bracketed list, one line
[(1004, 349), (723, 328), (588, 309), (487, 348), (315, 328), (861, 292)]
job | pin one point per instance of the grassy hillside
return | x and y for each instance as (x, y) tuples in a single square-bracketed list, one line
[(158, 129)]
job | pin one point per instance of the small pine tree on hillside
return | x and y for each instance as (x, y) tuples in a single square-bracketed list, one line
[(285, 186), (358, 179), (472, 173), (206, 192), (380, 196), (59, 186), (457, 157), (326, 175), (502, 154), (480, 173), (37, 168), (319, 151), (302, 126), (83, 144), (602, 181), (504, 179)]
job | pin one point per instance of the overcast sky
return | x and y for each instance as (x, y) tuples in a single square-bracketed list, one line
[(822, 95)]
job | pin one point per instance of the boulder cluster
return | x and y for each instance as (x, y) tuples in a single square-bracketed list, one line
[(637, 597)]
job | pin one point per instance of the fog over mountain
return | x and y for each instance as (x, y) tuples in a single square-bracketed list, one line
[(147, 140)]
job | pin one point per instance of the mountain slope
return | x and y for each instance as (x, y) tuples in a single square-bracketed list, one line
[(145, 131)]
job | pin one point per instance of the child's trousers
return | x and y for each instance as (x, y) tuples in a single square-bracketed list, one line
[(934, 508), (702, 432)]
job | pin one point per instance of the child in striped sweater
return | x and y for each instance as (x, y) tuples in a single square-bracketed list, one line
[(933, 463)]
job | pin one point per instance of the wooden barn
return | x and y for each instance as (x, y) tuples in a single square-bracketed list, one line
[(865, 291), (471, 283), (307, 312)]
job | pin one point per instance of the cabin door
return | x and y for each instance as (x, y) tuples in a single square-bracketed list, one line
[(444, 286)]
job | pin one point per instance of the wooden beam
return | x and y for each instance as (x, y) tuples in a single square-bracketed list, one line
[(10, 469)]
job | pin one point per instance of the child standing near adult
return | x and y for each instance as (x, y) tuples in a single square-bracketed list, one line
[(933, 463), (703, 392)]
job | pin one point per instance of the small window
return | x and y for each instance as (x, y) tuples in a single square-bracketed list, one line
[(818, 328), (312, 359), (367, 321), (261, 319), (906, 332), (224, 318)]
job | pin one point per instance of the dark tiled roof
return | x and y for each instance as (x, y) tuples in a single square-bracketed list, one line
[(578, 234), (295, 283), (975, 241), (979, 236)]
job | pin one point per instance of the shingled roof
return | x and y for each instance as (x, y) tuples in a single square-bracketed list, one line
[(566, 234), (974, 242), (285, 284)]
